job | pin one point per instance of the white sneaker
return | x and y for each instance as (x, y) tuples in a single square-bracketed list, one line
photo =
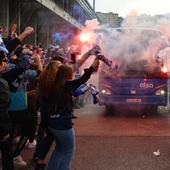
[(19, 161), (32, 145)]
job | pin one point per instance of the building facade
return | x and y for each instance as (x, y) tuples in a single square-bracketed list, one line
[(46, 16), (111, 19)]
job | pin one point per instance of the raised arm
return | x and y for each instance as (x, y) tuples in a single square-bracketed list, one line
[(74, 84), (92, 51), (12, 44)]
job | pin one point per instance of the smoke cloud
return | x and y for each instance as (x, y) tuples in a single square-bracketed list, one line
[(140, 38)]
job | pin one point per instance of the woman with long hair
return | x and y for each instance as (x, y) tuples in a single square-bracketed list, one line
[(45, 92), (47, 80), (60, 108), (46, 86)]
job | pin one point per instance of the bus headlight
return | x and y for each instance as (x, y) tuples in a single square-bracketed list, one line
[(106, 91), (160, 93)]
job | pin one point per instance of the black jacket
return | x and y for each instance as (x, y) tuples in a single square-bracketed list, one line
[(6, 78), (11, 44), (62, 118), (4, 103)]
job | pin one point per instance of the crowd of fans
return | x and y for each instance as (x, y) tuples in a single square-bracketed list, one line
[(34, 80)]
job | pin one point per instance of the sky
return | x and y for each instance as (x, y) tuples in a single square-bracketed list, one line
[(124, 7)]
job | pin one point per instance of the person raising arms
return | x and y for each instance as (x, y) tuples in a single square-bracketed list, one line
[(58, 98)]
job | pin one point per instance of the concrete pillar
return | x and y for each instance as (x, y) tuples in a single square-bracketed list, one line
[(94, 8), (7, 22), (19, 18), (36, 26), (3, 13)]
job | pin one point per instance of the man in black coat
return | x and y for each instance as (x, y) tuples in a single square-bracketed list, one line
[(5, 127), (5, 78)]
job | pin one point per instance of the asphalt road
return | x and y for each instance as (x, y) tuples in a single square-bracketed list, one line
[(121, 142)]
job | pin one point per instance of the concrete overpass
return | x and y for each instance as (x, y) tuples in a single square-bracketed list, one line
[(76, 12), (46, 16)]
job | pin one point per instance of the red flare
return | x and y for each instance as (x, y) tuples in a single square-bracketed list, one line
[(84, 37), (164, 69)]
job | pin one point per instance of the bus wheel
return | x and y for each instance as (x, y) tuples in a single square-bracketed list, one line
[(110, 110), (152, 110)]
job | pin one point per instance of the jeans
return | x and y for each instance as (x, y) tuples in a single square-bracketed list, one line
[(64, 149)]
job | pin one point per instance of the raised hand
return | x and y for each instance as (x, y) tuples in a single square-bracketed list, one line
[(29, 30), (95, 50)]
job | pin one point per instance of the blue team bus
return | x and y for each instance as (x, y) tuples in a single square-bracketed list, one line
[(136, 83)]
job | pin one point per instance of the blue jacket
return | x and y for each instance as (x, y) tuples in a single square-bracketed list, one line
[(19, 97)]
